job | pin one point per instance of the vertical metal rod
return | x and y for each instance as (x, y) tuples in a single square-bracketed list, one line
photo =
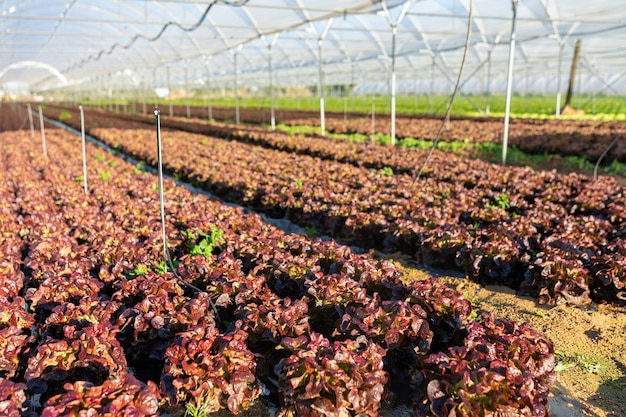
[(144, 105), (154, 86), (208, 89), (187, 92), (415, 83), (272, 111), (393, 84), (352, 85), (557, 111), (43, 133), (509, 86), (320, 82), (235, 87), (82, 132), (488, 108), (373, 122), (30, 120), (169, 96), (157, 118), (432, 82)]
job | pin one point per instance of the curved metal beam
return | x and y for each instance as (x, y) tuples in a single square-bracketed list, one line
[(37, 65)]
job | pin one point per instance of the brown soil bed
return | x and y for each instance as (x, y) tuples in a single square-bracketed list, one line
[(590, 342)]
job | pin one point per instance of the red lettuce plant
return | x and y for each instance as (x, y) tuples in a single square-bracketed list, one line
[(62, 289), (446, 309), (12, 398), (320, 379), (123, 396), (275, 318), (89, 354), (217, 370), (15, 327), (502, 368), (394, 324)]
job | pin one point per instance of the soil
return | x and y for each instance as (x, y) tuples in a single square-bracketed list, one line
[(590, 342)]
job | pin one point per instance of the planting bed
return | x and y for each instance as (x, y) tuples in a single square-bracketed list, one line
[(558, 238), (93, 319), (585, 138)]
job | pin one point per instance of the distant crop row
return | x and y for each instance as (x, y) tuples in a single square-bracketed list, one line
[(559, 238), (92, 319), (587, 139), (584, 138)]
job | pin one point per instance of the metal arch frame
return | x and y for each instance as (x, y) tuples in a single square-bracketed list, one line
[(37, 65), (110, 24)]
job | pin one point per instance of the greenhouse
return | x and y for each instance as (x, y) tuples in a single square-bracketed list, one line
[(295, 208)]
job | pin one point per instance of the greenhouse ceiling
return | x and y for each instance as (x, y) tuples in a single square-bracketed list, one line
[(130, 44)]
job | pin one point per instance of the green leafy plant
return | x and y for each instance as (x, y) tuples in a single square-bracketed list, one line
[(202, 406), (584, 362), (386, 172), (99, 157), (501, 201), (311, 231), (207, 243), (140, 167), (104, 176), (65, 115), (140, 269), (160, 268)]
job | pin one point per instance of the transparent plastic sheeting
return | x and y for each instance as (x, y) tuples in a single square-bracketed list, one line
[(93, 44)]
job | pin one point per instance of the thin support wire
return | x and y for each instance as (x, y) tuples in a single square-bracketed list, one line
[(454, 93), (166, 252), (595, 169)]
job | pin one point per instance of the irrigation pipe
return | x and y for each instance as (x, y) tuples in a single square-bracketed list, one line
[(454, 93)]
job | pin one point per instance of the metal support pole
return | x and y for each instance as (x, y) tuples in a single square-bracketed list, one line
[(352, 85), (320, 84), (169, 96), (269, 63), (235, 88), (488, 108), (154, 85), (557, 111), (43, 133), (208, 89), (157, 118), (394, 29), (82, 131), (432, 82), (144, 105), (509, 85), (30, 121), (373, 122), (187, 92)]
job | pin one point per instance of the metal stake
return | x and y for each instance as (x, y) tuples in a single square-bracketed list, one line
[(30, 120), (82, 131), (509, 86), (43, 133), (166, 253)]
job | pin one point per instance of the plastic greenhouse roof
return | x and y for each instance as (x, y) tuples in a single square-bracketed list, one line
[(50, 44)]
